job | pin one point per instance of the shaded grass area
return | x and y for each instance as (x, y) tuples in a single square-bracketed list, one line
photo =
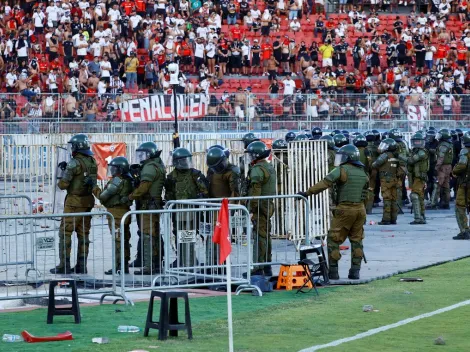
[(279, 321)]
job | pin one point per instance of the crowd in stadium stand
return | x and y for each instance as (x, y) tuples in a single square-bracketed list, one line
[(304, 60)]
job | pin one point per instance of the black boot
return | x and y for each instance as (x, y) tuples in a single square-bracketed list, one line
[(64, 258), (333, 273), (462, 236), (61, 270), (354, 273)]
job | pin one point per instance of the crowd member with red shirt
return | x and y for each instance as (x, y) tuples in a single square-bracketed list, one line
[(441, 52), (266, 51)]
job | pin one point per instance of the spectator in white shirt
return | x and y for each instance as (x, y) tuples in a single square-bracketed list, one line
[(428, 56), (289, 85), (295, 25), (446, 101), (114, 14), (11, 79), (53, 14), (38, 20)]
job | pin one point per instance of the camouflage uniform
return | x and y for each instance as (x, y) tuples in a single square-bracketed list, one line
[(418, 166), (221, 185), (372, 155), (462, 172), (431, 147), (349, 215), (79, 180), (149, 196), (443, 169), (181, 185), (387, 165), (401, 171), (262, 182), (118, 188)]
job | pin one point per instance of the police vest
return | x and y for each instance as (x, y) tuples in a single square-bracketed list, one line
[(124, 189), (373, 152), (219, 184), (185, 183), (363, 158), (354, 190), (268, 186), (83, 183), (421, 168), (446, 150), (153, 171), (390, 168)]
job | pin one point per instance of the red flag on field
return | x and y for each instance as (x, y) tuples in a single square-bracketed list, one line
[(222, 232)]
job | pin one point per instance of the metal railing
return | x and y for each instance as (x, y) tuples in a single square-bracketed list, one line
[(224, 112)]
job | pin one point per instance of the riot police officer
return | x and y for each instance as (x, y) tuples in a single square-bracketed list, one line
[(117, 189), (431, 147), (387, 165), (316, 133), (372, 155), (462, 200), (185, 182), (79, 180), (402, 148), (445, 154), (331, 151), (149, 196), (418, 166), (224, 182), (348, 219), (262, 182), (282, 167)]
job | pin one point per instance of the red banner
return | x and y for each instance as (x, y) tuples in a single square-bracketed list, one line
[(104, 153)]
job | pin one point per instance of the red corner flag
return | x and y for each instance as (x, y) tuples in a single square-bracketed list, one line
[(222, 232)]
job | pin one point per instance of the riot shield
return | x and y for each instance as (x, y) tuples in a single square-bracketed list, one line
[(58, 201)]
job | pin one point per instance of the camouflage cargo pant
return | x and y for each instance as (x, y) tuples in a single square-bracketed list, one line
[(149, 225), (348, 222), (443, 181), (119, 240), (460, 208), (262, 250), (389, 194), (81, 226), (418, 188)]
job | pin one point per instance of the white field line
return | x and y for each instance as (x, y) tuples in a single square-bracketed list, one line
[(386, 327)]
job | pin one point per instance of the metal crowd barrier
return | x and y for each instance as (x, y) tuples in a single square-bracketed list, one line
[(269, 249), (187, 256), (32, 249), (16, 205)]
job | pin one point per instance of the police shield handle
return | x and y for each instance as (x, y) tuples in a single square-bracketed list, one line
[(61, 170)]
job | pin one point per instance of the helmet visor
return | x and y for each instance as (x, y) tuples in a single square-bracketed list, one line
[(438, 136), (220, 166), (417, 143), (69, 148), (183, 163), (113, 170), (340, 159), (141, 156), (383, 147)]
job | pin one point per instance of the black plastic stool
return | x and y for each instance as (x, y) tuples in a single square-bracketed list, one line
[(168, 317), (53, 310)]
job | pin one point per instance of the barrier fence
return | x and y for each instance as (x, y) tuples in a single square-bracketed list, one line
[(34, 244), (214, 112), (187, 257)]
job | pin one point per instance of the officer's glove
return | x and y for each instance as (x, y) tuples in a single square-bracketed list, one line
[(96, 191), (303, 194), (124, 200), (62, 165), (89, 182)]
